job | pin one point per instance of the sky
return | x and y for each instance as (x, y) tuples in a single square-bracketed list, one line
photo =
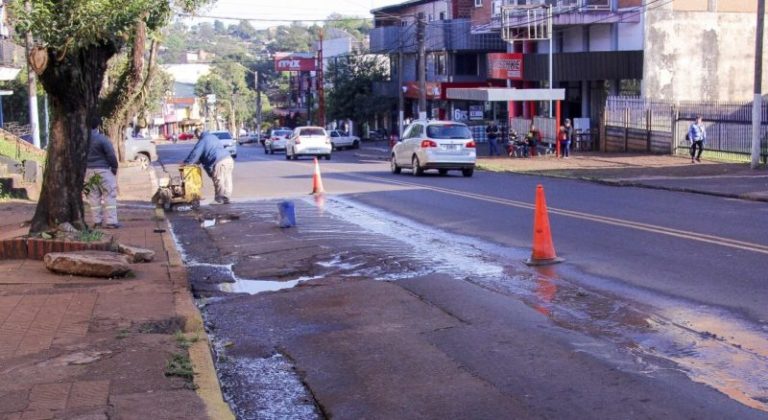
[(289, 9)]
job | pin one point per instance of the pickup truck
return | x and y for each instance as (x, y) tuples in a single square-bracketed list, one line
[(340, 140), (140, 149)]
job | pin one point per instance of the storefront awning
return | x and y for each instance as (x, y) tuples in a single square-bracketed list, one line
[(504, 94)]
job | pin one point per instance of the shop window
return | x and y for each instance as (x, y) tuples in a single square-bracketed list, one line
[(442, 15)]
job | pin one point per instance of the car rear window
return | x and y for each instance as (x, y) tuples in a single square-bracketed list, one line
[(223, 135), (312, 132), (448, 131), (281, 133)]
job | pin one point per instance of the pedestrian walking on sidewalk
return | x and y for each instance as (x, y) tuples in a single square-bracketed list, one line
[(697, 136), (216, 161), (101, 178), (492, 131)]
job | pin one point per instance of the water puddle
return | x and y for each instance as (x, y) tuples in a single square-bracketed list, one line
[(253, 287), (265, 388)]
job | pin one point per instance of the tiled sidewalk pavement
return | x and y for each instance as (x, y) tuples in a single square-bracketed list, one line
[(86, 348)]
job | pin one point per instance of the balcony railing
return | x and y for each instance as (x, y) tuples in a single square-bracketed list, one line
[(558, 5)]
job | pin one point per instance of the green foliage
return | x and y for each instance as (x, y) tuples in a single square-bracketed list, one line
[(179, 365), (92, 183), (90, 235), (357, 27), (228, 81), (352, 93)]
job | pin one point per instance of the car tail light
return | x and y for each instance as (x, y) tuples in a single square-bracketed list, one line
[(298, 140), (471, 144), (427, 144)]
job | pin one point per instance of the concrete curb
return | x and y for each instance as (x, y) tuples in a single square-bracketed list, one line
[(200, 354), (635, 184)]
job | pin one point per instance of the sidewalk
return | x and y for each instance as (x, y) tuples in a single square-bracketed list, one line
[(77, 347), (673, 173)]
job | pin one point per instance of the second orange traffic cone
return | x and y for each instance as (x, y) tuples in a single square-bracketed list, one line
[(543, 249), (317, 180)]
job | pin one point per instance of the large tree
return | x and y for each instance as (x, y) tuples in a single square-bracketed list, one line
[(75, 41), (351, 95)]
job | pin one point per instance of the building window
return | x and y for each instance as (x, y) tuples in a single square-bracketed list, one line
[(442, 15), (466, 64), (478, 3), (431, 18), (440, 64), (403, 23)]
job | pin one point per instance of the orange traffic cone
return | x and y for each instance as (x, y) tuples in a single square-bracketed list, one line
[(317, 181), (543, 249)]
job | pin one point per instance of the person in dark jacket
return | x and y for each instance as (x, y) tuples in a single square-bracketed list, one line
[(101, 176), (216, 161)]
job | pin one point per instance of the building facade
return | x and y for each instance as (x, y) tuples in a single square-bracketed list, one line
[(672, 50)]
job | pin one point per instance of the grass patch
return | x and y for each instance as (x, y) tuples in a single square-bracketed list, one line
[(10, 149), (179, 365), (122, 334), (183, 341), (90, 235)]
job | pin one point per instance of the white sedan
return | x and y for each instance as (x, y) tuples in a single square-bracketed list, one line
[(308, 141), (340, 140)]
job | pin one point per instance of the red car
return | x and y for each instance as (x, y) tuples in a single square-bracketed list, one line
[(186, 136)]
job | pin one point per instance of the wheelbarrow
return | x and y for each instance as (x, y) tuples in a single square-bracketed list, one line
[(182, 190)]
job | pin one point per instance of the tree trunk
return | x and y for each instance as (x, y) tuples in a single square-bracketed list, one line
[(73, 84)]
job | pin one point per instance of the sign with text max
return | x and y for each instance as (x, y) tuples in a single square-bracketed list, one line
[(507, 66), (295, 62)]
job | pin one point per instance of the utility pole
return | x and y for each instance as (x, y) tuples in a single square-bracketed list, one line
[(34, 121), (320, 87), (258, 104), (400, 101), (757, 103), (420, 29)]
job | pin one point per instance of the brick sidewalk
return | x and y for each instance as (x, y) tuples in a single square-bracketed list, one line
[(76, 347)]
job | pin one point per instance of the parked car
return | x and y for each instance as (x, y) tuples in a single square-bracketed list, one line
[(140, 149), (308, 141), (379, 134), (431, 144), (227, 141), (186, 136), (340, 139), (248, 138), (277, 140)]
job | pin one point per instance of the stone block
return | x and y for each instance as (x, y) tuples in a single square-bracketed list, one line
[(88, 263), (136, 254)]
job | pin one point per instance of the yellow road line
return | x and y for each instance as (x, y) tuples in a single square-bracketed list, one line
[(699, 237)]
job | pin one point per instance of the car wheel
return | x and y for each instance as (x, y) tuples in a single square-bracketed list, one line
[(442, 172), (468, 172), (416, 167), (393, 165), (333, 147), (328, 156), (143, 161), (287, 156), (234, 156), (271, 151), (356, 145)]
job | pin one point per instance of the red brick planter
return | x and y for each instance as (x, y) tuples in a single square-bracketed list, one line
[(36, 248)]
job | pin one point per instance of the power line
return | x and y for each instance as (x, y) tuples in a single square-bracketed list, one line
[(345, 19)]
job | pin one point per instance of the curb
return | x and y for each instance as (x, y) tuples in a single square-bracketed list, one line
[(635, 184), (205, 377)]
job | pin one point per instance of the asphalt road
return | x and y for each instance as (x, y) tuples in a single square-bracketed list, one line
[(690, 268)]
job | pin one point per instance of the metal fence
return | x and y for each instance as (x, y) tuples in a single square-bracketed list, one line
[(633, 124)]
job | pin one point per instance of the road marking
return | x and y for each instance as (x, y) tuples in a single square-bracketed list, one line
[(683, 234)]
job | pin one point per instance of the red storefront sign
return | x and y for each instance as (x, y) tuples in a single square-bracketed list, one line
[(295, 62), (508, 66)]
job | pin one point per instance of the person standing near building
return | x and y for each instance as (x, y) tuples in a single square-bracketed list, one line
[(697, 136), (216, 161), (566, 138), (101, 178), (534, 138), (492, 131)]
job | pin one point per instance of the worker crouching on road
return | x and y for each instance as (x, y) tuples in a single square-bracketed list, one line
[(216, 161), (101, 178)]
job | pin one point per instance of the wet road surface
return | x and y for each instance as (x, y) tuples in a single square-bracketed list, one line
[(373, 299)]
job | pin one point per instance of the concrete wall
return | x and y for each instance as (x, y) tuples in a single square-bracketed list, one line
[(699, 55), (600, 38), (573, 39), (630, 36)]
